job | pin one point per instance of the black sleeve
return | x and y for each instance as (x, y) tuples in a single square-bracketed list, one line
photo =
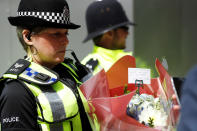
[(17, 108)]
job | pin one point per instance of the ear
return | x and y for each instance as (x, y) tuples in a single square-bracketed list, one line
[(110, 33), (108, 36), (107, 40), (27, 36)]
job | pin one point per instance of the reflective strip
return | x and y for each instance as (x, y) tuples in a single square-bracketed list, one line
[(72, 72), (43, 70), (72, 65), (10, 76), (69, 99), (55, 102), (44, 127), (69, 68), (30, 74)]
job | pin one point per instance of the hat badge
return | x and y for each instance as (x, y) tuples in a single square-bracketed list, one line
[(66, 13)]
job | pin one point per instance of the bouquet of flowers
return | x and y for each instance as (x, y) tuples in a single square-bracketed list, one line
[(147, 110), (117, 107)]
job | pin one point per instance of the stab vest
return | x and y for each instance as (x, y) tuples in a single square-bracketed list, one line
[(58, 100)]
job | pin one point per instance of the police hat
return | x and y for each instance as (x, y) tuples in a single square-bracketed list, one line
[(104, 15), (43, 13)]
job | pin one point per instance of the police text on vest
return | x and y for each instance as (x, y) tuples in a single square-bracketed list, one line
[(11, 119)]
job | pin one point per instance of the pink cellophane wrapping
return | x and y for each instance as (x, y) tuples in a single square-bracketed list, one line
[(105, 95)]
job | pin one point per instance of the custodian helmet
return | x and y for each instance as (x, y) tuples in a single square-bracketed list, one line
[(104, 15)]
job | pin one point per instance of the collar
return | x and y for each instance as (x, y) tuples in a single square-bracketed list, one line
[(110, 54)]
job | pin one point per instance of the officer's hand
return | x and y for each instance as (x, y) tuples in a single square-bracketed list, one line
[(176, 107)]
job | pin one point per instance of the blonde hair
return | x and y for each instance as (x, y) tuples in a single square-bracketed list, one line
[(19, 31)]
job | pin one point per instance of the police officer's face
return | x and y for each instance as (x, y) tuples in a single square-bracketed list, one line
[(51, 45), (119, 41)]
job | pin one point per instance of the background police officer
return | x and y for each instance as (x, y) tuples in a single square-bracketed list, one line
[(107, 24)]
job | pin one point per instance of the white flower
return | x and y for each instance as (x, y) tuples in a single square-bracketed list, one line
[(158, 117), (147, 110)]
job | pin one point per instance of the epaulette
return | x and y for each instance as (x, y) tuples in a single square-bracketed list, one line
[(31, 72), (91, 64)]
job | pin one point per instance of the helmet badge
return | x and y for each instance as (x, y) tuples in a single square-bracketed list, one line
[(66, 13)]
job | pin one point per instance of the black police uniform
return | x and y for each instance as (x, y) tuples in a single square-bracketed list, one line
[(18, 109)]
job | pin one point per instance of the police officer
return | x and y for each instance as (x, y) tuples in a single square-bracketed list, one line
[(108, 25), (41, 91)]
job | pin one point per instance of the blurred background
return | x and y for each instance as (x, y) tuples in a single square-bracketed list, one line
[(165, 29)]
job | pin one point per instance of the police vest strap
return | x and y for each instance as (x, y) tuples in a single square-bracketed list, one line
[(79, 71), (31, 73), (68, 63), (91, 64)]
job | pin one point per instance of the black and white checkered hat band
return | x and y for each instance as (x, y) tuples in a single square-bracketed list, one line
[(59, 18)]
